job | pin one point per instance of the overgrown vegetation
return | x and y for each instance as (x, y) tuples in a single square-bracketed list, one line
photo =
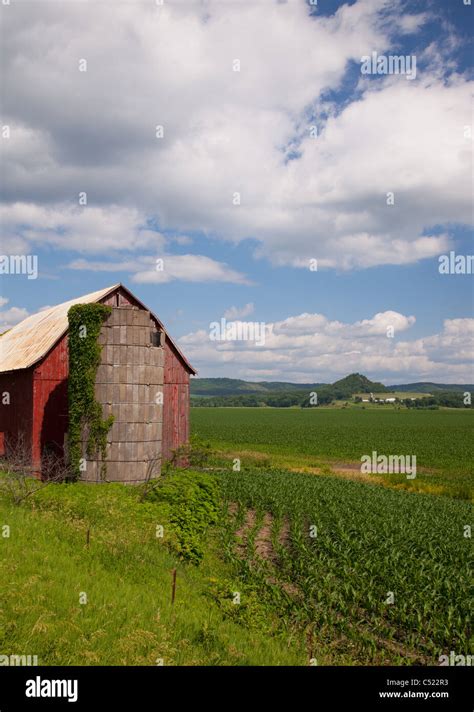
[(103, 546), (85, 413), (194, 453), (17, 480), (193, 504)]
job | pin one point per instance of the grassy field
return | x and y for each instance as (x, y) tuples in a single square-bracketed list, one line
[(125, 573), (272, 568), (287, 561), (328, 438)]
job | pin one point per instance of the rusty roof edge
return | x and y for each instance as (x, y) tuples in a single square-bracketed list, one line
[(66, 328), (56, 342)]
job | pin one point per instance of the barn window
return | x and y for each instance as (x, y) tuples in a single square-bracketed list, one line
[(155, 338)]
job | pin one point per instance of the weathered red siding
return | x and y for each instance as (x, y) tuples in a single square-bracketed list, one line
[(50, 402), (175, 402), (120, 298), (16, 418)]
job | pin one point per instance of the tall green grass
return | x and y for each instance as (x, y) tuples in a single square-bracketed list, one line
[(125, 572)]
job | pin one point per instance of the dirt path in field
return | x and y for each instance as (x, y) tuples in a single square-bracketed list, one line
[(346, 470), (263, 545), (284, 535), (263, 539), (242, 533)]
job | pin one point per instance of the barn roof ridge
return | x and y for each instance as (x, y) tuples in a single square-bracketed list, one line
[(29, 341)]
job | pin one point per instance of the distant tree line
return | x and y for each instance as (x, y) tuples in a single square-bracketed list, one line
[(324, 396), (448, 399), (280, 400)]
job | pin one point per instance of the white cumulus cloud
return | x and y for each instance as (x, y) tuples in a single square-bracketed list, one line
[(239, 312), (310, 348), (228, 132)]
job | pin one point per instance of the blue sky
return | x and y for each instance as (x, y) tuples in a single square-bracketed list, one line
[(248, 131)]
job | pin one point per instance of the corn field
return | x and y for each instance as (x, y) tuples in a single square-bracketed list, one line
[(382, 575)]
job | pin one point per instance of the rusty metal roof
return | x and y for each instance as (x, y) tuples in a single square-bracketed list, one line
[(29, 341)]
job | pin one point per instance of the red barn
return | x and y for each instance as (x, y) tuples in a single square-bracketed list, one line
[(139, 362)]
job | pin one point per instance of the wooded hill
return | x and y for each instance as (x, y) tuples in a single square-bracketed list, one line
[(235, 392)]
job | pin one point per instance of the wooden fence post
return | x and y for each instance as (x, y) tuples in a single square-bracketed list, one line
[(173, 586)]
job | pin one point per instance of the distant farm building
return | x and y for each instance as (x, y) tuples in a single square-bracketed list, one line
[(143, 380)]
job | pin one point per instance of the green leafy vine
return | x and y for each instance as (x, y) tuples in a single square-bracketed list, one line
[(85, 413)]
